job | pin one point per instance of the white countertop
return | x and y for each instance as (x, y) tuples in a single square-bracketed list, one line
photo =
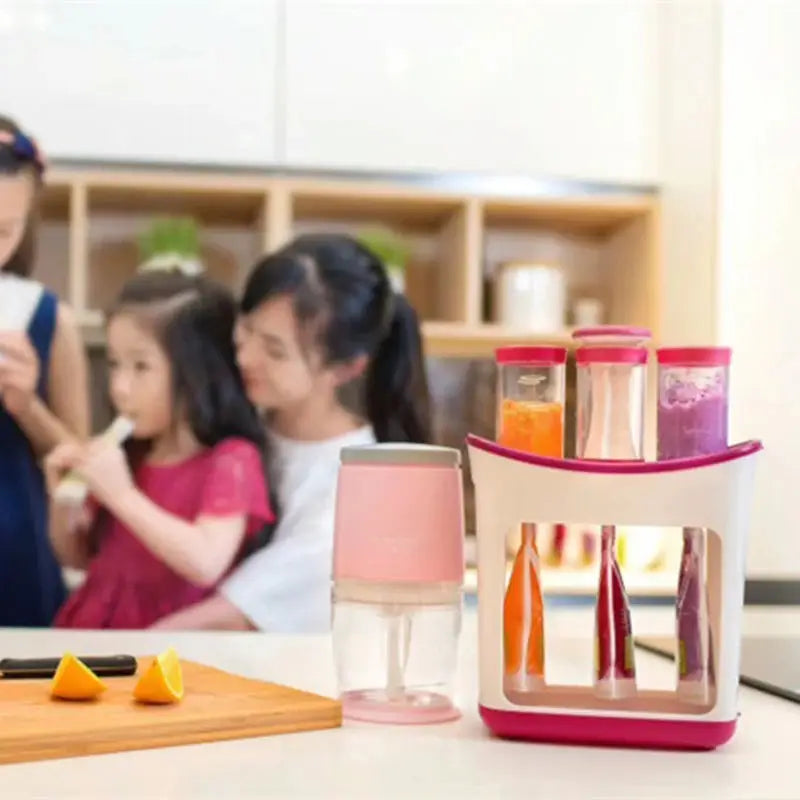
[(454, 760)]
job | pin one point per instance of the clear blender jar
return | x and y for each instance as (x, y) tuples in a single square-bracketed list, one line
[(398, 572), (530, 399), (611, 391), (692, 401)]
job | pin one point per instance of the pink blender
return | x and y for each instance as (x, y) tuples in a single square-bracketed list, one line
[(611, 383), (693, 421), (398, 568)]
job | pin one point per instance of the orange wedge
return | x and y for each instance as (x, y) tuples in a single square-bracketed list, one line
[(75, 681), (163, 680)]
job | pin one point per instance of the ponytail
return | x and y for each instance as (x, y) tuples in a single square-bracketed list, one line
[(343, 298), (397, 398)]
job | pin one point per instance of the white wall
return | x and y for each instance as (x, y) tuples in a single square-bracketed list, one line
[(689, 138), (759, 260), (173, 80), (567, 88)]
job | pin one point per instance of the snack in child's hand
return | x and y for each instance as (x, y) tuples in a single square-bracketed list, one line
[(162, 682), (75, 681), (72, 489)]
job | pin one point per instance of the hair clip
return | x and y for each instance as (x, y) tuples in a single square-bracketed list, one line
[(24, 148)]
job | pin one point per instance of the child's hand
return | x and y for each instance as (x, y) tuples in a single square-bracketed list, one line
[(102, 464), (59, 461), (19, 371), (105, 469)]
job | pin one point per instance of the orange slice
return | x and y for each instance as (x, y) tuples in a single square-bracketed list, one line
[(163, 680), (75, 681)]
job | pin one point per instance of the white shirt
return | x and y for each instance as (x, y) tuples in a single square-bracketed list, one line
[(286, 586)]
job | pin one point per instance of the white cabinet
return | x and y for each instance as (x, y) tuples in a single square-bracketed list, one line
[(139, 80), (545, 87), (566, 88)]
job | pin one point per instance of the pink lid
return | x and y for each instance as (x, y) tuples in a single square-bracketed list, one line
[(625, 334), (694, 356), (611, 355), (523, 354), (399, 515)]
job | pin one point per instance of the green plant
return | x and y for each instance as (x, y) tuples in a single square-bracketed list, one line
[(387, 246), (178, 235)]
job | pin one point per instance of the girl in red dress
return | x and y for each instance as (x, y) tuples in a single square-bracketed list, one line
[(171, 512)]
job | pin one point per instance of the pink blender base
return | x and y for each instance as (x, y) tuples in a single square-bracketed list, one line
[(416, 708), (608, 731)]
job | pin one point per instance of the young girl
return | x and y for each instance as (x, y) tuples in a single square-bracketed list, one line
[(334, 357), (43, 391), (174, 515)]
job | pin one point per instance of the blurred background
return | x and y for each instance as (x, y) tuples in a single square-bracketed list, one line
[(524, 167)]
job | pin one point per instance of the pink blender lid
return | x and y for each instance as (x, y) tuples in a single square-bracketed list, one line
[(611, 355), (694, 356), (612, 334), (523, 354)]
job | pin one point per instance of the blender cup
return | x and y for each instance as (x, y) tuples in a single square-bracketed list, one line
[(611, 383), (398, 569), (530, 391), (692, 401)]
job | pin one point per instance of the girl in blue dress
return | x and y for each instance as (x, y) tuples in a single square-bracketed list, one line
[(43, 392)]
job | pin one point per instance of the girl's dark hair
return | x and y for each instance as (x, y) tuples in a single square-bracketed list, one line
[(16, 157), (342, 295), (192, 318)]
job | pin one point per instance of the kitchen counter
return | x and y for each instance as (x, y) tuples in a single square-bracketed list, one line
[(454, 760)]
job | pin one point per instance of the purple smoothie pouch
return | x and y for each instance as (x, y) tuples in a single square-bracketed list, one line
[(693, 421)]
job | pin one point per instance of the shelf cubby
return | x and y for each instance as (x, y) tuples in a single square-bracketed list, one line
[(439, 229), (607, 248), (93, 216), (231, 221)]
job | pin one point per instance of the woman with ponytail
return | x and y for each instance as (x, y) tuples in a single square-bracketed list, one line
[(333, 358)]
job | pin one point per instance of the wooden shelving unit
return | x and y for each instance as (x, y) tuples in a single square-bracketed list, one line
[(608, 243)]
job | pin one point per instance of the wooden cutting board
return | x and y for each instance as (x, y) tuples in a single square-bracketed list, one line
[(216, 706)]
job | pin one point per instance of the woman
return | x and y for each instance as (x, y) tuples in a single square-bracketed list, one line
[(43, 392), (334, 358)]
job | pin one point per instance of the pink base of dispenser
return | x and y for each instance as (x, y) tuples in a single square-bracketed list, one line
[(608, 731)]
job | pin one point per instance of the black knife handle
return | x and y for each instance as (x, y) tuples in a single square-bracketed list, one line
[(102, 666)]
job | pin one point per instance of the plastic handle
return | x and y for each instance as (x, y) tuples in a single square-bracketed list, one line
[(102, 666)]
